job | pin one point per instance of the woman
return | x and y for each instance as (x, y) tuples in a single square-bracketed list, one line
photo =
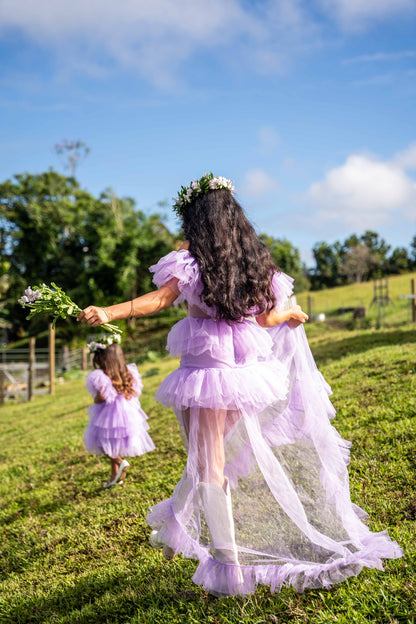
[(264, 495)]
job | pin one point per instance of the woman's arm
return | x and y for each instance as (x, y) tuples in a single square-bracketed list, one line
[(141, 306), (293, 316)]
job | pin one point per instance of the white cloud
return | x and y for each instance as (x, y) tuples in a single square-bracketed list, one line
[(378, 57), (407, 158), (365, 192), (157, 37), (358, 14), (152, 37), (258, 183)]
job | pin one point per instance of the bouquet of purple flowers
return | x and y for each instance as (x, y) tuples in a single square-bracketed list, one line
[(53, 301)]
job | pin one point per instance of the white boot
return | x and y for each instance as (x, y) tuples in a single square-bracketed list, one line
[(217, 508), (154, 540)]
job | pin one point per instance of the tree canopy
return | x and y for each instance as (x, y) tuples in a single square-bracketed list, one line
[(96, 249), (357, 259), (287, 258)]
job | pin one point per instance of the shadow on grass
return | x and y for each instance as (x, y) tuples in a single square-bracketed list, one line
[(148, 595), (335, 350), (70, 412), (71, 492), (107, 596)]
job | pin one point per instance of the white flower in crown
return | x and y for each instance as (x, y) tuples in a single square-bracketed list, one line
[(95, 346), (197, 187), (105, 341)]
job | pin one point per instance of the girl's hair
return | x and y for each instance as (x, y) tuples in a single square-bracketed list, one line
[(111, 361), (236, 267)]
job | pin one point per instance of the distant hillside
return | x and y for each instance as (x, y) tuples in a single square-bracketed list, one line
[(331, 300)]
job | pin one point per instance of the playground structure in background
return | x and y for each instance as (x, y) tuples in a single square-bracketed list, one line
[(381, 299)]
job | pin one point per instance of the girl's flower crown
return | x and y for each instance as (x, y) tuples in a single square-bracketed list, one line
[(208, 182), (105, 341)]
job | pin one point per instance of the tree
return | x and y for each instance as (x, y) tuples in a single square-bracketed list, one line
[(328, 261), (73, 152), (352, 241), (379, 248), (287, 258), (399, 261), (413, 250), (357, 263), (97, 249)]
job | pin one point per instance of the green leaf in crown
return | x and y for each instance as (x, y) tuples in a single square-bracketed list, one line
[(208, 182)]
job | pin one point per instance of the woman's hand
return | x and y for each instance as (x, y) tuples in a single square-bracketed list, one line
[(297, 316), (292, 316), (94, 316)]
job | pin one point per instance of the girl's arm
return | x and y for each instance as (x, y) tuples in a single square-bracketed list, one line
[(293, 316), (141, 306), (98, 398)]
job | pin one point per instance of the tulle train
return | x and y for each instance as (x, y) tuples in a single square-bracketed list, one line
[(293, 522)]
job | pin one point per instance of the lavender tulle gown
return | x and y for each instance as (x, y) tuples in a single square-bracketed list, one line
[(118, 426), (264, 497)]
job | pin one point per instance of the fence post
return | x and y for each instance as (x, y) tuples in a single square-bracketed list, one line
[(32, 369), (65, 352), (2, 386), (413, 290), (310, 304), (51, 359), (84, 358)]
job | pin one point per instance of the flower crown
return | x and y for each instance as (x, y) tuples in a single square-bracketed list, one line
[(105, 341), (208, 182)]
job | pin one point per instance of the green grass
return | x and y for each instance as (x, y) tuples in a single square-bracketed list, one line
[(75, 553)]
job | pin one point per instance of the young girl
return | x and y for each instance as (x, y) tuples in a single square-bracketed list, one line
[(118, 425), (264, 497)]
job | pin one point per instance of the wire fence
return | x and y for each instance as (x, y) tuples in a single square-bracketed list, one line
[(65, 359), (22, 376)]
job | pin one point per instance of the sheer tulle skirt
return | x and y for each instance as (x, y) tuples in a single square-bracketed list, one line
[(118, 428), (264, 497)]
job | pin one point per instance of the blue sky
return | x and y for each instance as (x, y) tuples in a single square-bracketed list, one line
[(310, 107)]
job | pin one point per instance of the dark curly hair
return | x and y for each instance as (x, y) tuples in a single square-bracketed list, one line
[(111, 361), (236, 267)]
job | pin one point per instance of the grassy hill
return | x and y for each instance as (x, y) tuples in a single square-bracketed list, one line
[(72, 552), (329, 301)]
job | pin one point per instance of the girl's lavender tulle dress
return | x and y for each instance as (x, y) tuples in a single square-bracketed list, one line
[(118, 426), (283, 515)]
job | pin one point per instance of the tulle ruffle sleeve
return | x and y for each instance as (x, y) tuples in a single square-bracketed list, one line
[(282, 286), (179, 270), (137, 379), (99, 382)]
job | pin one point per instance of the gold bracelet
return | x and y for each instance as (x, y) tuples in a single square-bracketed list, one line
[(132, 309)]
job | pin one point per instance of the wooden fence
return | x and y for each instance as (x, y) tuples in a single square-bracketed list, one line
[(26, 372)]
